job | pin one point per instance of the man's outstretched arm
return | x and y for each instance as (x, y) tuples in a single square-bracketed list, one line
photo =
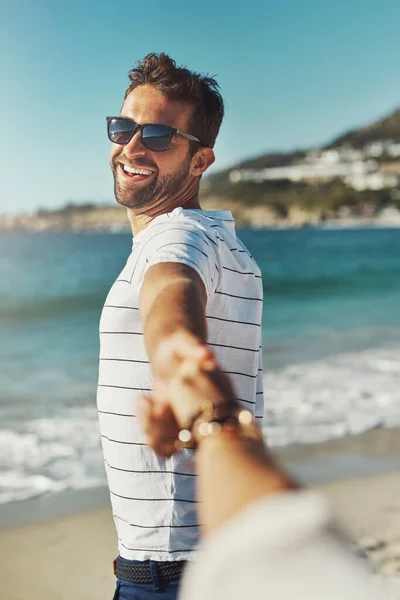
[(172, 306)]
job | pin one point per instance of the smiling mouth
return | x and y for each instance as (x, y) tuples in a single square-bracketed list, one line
[(135, 173)]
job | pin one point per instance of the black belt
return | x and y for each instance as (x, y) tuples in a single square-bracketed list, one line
[(139, 572)]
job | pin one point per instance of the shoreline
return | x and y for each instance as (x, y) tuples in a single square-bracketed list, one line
[(333, 224), (368, 454), (112, 218)]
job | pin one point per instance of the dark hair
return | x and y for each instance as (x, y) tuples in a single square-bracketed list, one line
[(178, 83)]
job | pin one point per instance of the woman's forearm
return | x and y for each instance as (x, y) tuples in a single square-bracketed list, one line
[(233, 472)]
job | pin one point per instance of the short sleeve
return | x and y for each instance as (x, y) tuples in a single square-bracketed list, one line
[(186, 244)]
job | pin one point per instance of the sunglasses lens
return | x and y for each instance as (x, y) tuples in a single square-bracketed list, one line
[(120, 131), (156, 137)]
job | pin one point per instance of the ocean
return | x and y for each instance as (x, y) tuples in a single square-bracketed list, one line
[(331, 331)]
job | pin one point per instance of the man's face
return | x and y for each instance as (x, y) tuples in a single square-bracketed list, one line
[(168, 172)]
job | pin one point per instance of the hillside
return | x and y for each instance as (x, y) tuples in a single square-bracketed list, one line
[(386, 128), (275, 159)]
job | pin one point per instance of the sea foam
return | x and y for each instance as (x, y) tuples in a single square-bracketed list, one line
[(337, 396), (305, 403)]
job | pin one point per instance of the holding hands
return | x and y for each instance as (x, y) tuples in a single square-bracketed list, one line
[(186, 375)]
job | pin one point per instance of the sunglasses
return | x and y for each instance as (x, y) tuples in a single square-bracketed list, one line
[(154, 137)]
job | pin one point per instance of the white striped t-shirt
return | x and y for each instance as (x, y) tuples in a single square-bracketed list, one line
[(153, 499)]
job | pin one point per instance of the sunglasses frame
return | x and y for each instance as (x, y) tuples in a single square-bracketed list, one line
[(140, 128)]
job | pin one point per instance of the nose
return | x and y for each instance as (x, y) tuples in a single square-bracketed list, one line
[(135, 146)]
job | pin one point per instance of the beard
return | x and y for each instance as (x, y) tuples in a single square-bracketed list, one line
[(148, 195)]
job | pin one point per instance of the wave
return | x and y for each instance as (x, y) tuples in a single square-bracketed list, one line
[(50, 455), (51, 307), (304, 403), (341, 395)]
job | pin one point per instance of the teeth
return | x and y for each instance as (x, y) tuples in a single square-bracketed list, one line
[(136, 171)]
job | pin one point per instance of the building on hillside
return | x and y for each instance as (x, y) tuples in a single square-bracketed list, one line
[(319, 171), (358, 168), (372, 181), (375, 149), (381, 147), (394, 150), (390, 215)]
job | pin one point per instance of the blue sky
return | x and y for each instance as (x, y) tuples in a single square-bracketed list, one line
[(293, 73)]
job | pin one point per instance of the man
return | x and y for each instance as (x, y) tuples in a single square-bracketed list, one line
[(190, 281)]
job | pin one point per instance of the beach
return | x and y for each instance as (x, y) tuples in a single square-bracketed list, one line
[(67, 557), (361, 477), (70, 556), (331, 357)]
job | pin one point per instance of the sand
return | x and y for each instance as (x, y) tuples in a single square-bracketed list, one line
[(369, 510), (70, 557), (65, 558)]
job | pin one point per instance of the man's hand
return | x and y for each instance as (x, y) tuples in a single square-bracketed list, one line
[(176, 348), (179, 348), (160, 426), (173, 405), (159, 413)]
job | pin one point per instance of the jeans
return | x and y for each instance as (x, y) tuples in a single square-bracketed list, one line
[(147, 591)]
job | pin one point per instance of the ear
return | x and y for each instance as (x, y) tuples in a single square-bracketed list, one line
[(203, 159)]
